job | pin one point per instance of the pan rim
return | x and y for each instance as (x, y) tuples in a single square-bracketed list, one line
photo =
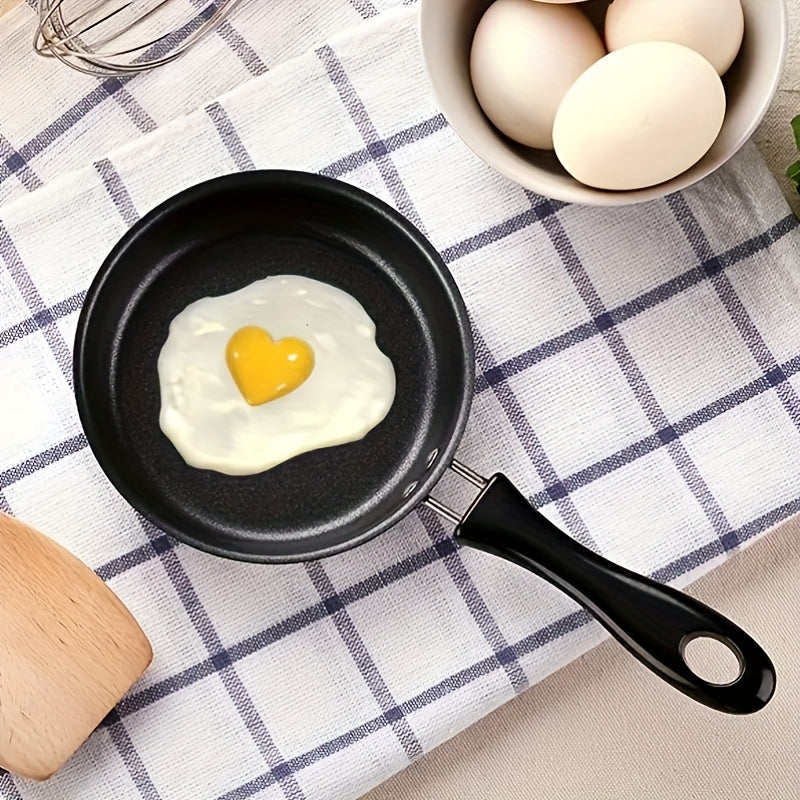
[(102, 445)]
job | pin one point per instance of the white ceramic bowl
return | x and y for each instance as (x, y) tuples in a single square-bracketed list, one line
[(447, 28)]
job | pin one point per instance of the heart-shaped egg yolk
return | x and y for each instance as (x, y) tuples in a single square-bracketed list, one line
[(264, 369)]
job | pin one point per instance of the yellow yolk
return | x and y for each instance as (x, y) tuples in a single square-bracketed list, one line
[(264, 369)]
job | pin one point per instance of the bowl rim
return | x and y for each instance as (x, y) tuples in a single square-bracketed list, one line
[(580, 194)]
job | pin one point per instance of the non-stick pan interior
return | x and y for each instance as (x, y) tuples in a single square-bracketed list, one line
[(218, 237)]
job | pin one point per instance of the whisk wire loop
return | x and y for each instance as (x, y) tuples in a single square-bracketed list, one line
[(97, 37)]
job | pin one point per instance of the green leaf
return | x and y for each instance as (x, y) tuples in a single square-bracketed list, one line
[(793, 173), (796, 129)]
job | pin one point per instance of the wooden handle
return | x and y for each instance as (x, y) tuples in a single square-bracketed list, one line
[(69, 650), (7, 5)]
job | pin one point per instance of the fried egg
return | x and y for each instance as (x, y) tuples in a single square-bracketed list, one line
[(281, 367)]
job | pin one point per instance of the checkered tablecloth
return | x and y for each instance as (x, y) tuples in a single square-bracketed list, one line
[(638, 377)]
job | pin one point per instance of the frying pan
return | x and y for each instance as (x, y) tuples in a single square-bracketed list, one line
[(225, 233)]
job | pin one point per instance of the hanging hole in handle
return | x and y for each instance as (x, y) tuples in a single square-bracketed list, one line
[(712, 658)]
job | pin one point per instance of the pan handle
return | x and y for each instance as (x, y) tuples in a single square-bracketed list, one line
[(654, 622)]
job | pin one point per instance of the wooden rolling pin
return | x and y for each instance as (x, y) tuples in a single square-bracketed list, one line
[(69, 651)]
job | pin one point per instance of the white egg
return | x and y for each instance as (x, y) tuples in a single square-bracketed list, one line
[(639, 116), (205, 415), (714, 28), (524, 57)]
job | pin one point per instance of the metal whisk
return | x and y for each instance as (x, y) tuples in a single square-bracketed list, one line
[(118, 37)]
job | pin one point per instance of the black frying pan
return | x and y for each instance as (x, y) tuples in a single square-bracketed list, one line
[(225, 233)]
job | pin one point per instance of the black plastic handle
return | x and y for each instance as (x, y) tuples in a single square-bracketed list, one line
[(653, 621)]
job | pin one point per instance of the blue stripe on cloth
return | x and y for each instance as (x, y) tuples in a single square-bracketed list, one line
[(369, 671), (766, 521), (691, 561), (42, 459), (130, 757), (134, 558), (61, 125), (451, 684), (165, 45), (242, 48), (131, 106), (533, 447), (632, 308), (286, 627), (114, 88), (118, 191), (758, 243), (364, 7), (447, 549), (43, 318), (737, 397), (220, 659), (143, 698), (8, 788), (364, 125), (230, 137), (236, 43), (10, 256), (501, 230), (402, 199), (651, 443), (18, 166), (395, 141), (636, 380), (733, 305), (234, 40)]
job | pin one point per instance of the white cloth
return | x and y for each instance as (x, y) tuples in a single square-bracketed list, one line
[(637, 377), (55, 119)]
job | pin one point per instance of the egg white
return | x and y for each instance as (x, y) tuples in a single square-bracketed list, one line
[(204, 415)]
